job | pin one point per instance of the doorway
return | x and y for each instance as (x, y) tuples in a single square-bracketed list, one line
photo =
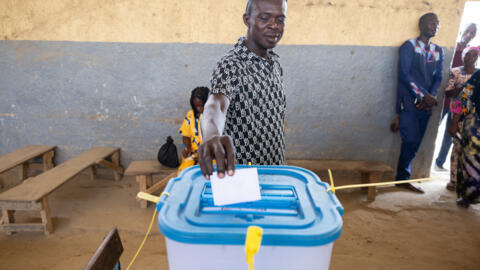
[(470, 15)]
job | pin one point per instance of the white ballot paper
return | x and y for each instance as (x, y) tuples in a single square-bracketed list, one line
[(241, 187)]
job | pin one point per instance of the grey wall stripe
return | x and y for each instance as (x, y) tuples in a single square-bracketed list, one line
[(340, 99)]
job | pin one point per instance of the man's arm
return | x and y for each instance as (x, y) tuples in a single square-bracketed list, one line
[(188, 146), (404, 64), (430, 98), (215, 145), (214, 116)]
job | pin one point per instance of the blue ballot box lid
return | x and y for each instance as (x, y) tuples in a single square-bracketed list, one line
[(295, 210)]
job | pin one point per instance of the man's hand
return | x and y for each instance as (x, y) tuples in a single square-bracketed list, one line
[(430, 100), (219, 148), (394, 126), (422, 105)]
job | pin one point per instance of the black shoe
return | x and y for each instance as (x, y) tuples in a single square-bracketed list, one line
[(463, 203)]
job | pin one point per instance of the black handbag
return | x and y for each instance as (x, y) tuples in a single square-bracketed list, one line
[(167, 155)]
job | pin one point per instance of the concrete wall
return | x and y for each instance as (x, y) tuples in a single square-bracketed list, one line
[(118, 73)]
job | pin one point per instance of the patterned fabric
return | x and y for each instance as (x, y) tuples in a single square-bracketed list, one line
[(191, 128), (431, 55), (468, 171), (457, 79), (419, 73), (416, 90), (256, 115), (454, 155)]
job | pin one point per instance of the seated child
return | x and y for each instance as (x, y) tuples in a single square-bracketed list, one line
[(190, 129)]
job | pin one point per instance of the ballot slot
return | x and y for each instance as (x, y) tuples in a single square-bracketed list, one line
[(277, 200)]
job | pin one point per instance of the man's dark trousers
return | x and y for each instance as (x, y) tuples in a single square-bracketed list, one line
[(413, 125)]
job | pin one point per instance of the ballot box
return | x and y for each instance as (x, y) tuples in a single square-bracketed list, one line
[(299, 218)]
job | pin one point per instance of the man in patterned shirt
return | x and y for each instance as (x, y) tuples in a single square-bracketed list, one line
[(244, 116), (420, 65)]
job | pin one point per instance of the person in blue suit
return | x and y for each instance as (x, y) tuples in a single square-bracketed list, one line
[(419, 76)]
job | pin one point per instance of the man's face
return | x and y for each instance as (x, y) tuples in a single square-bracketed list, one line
[(430, 26), (469, 34), (266, 22)]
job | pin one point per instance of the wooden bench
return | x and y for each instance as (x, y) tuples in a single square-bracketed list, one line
[(108, 253), (371, 171), (32, 193), (21, 157), (144, 171)]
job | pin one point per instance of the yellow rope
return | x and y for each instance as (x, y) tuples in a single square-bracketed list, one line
[(144, 239), (333, 188)]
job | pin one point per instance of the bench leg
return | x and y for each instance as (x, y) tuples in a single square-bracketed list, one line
[(45, 213), (145, 181), (48, 160), (160, 185), (116, 160), (372, 191), (8, 217), (365, 180), (92, 170), (23, 171)]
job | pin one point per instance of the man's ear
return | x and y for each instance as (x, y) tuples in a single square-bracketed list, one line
[(246, 18)]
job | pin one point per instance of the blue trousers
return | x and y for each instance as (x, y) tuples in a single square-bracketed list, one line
[(412, 128), (446, 141)]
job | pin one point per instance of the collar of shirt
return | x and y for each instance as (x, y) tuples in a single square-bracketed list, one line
[(247, 55), (422, 45)]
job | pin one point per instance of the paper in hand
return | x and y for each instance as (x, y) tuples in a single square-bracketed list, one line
[(243, 186)]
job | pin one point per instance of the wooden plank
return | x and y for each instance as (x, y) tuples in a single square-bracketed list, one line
[(45, 214), (20, 205), (341, 165), (111, 165), (26, 227), (372, 191), (147, 167), (108, 253), (92, 171), (23, 171), (142, 181), (365, 178), (47, 159), (22, 155), (160, 185), (50, 180), (116, 161), (8, 217)]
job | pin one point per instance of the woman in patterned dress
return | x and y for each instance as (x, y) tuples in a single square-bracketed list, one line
[(468, 168), (458, 77)]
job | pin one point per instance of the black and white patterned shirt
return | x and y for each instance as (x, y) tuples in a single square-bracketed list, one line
[(256, 115)]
